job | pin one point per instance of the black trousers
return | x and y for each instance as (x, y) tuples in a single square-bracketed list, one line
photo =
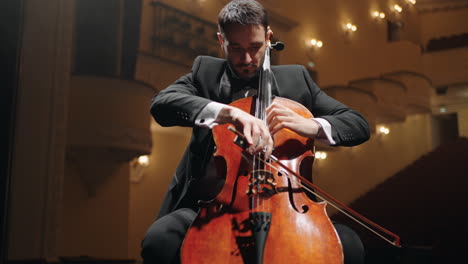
[(164, 237)]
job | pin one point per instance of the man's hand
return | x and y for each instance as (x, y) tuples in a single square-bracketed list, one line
[(255, 130), (280, 117)]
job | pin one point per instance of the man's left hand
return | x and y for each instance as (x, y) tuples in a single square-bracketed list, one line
[(279, 117)]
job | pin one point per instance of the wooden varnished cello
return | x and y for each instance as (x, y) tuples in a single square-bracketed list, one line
[(262, 214)]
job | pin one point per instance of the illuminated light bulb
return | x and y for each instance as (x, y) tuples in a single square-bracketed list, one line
[(398, 8), (320, 155), (350, 27), (143, 160), (315, 43), (413, 2), (384, 130), (377, 14)]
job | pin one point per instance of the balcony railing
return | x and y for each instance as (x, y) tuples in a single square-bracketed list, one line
[(445, 43), (180, 37)]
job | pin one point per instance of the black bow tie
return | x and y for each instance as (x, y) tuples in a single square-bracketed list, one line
[(239, 84)]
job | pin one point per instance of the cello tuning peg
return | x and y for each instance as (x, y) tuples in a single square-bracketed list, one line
[(279, 46)]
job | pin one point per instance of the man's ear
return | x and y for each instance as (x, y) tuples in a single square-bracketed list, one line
[(269, 34), (222, 42), (220, 39)]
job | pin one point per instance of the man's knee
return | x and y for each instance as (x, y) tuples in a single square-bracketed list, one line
[(153, 242), (353, 249), (164, 237)]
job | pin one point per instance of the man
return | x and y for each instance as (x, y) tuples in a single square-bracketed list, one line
[(199, 100)]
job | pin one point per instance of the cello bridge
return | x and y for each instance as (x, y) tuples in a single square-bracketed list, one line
[(263, 183)]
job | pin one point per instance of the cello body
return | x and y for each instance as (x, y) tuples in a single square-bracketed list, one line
[(261, 215)]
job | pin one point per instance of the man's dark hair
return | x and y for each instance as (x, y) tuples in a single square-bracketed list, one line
[(243, 12)]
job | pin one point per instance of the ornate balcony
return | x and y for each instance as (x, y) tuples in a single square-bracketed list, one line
[(179, 37)]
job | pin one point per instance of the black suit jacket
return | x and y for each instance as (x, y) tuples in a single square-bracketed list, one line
[(180, 103)]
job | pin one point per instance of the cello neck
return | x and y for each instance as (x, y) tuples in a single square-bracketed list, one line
[(264, 88)]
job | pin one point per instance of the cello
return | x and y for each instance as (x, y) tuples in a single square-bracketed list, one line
[(262, 208)]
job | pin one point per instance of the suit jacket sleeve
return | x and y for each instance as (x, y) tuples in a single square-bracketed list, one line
[(180, 103), (349, 128)]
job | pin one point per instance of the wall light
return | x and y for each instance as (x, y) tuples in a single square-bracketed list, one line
[(320, 155), (413, 2), (137, 168), (315, 43), (384, 130), (378, 15), (397, 8), (350, 27), (143, 161)]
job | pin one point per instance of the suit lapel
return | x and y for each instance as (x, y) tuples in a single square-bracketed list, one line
[(224, 89)]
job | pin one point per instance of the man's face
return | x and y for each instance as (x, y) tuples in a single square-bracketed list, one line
[(244, 47)]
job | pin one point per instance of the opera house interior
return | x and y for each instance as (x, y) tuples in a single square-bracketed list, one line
[(85, 167)]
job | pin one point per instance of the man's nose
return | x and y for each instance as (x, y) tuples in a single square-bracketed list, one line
[(246, 57)]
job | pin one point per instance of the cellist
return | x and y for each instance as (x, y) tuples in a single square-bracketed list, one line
[(199, 99)]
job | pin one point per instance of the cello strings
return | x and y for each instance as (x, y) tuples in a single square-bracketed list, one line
[(348, 212), (265, 101)]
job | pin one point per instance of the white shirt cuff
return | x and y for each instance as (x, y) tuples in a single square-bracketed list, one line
[(325, 132), (206, 118)]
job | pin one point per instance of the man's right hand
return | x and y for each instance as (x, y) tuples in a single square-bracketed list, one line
[(256, 132)]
